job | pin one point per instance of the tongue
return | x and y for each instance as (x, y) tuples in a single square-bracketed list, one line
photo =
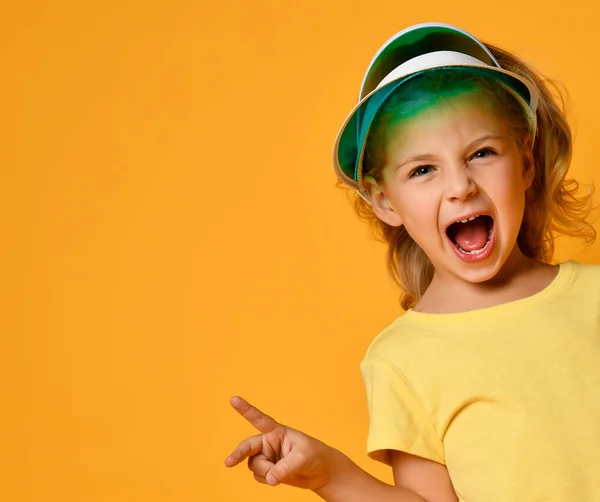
[(472, 235)]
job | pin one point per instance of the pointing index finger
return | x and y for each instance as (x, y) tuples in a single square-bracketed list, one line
[(262, 422)]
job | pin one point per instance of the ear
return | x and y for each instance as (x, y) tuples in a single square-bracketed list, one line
[(528, 163), (381, 204)]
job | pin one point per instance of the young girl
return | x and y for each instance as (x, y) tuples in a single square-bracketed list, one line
[(488, 387)]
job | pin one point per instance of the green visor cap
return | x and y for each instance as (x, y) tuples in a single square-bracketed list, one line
[(414, 51)]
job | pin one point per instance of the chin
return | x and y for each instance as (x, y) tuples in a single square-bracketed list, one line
[(478, 272), (481, 273)]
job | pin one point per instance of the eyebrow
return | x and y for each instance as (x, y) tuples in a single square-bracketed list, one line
[(428, 156)]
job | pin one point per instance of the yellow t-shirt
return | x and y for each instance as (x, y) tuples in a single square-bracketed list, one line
[(507, 397)]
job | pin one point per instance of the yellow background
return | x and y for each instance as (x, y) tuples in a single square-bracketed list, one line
[(172, 236)]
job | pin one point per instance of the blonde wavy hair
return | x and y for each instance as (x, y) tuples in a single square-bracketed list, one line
[(553, 204)]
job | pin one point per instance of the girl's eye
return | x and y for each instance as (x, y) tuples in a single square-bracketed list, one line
[(420, 171), (483, 153)]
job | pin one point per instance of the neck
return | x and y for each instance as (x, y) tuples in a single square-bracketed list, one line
[(518, 278)]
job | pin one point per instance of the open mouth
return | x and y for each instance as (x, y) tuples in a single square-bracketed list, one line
[(472, 235)]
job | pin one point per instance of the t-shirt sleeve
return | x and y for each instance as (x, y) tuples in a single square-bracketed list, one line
[(397, 419)]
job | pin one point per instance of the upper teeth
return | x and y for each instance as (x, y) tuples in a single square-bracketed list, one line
[(468, 219)]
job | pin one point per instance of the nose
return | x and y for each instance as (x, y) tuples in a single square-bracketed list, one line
[(460, 186)]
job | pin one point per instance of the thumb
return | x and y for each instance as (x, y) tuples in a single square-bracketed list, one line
[(287, 466)]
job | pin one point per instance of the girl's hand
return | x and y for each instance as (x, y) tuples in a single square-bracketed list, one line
[(280, 454)]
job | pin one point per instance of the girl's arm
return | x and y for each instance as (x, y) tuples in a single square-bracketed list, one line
[(281, 454), (416, 480), (425, 477)]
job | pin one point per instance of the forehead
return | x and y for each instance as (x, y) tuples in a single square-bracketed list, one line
[(438, 120)]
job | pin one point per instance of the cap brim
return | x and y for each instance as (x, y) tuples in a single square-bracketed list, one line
[(418, 40)]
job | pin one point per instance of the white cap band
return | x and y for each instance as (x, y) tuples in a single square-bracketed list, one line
[(431, 60)]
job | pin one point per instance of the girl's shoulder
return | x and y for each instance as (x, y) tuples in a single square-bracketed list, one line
[(583, 274), (402, 335), (590, 267)]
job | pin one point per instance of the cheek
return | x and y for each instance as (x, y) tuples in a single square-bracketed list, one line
[(419, 213), (505, 178), (508, 195)]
